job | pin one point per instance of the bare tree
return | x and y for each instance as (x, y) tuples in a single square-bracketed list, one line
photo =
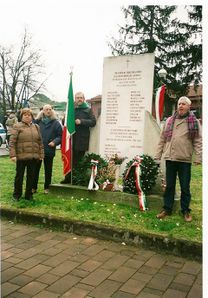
[(19, 74)]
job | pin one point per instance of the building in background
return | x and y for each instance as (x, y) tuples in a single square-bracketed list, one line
[(95, 103), (196, 100)]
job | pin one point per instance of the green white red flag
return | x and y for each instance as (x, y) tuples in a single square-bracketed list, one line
[(68, 130)]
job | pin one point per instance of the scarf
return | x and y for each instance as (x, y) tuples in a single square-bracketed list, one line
[(193, 126), (84, 105), (45, 120)]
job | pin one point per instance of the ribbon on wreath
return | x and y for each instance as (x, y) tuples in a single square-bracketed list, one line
[(141, 195), (92, 184)]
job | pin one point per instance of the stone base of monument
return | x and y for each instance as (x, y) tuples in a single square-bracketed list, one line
[(154, 201)]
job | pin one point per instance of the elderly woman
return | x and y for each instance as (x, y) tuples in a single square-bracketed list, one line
[(26, 149)]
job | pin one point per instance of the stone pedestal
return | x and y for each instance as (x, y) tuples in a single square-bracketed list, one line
[(155, 202)]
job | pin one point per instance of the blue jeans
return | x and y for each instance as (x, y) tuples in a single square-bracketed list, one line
[(183, 169)]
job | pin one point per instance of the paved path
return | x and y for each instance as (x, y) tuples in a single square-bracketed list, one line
[(41, 263), (3, 150)]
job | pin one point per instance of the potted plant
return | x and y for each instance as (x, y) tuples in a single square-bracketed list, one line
[(117, 159), (106, 176)]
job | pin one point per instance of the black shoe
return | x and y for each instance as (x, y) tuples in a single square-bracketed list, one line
[(15, 199)]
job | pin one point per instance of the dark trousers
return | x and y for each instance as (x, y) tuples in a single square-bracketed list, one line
[(48, 167), (8, 138), (18, 182), (183, 170), (77, 155)]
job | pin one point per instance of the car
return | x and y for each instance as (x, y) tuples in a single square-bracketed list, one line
[(2, 135)]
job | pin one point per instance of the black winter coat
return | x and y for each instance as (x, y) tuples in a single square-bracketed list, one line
[(82, 131), (52, 131)]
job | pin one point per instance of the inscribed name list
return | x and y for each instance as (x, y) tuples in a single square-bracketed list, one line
[(127, 93)]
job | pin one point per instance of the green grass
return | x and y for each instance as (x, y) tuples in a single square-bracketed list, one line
[(105, 213)]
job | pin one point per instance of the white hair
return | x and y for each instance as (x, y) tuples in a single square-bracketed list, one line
[(47, 106), (41, 113), (186, 99)]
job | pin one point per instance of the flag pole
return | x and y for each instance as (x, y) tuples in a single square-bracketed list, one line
[(71, 139), (71, 158), (71, 73)]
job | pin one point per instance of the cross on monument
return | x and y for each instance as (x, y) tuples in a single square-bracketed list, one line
[(127, 62)]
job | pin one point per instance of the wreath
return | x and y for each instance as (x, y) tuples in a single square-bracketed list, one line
[(82, 172), (149, 173)]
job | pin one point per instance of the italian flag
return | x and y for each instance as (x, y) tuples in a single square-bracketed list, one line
[(68, 130), (159, 103)]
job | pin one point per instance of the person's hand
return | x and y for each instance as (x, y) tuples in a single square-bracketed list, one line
[(52, 144), (14, 159), (77, 121), (157, 161)]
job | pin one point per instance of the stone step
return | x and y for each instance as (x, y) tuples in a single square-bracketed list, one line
[(154, 201)]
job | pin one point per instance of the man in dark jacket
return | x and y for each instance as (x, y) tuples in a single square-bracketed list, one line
[(51, 131), (84, 119)]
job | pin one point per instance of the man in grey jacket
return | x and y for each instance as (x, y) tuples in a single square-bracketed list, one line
[(180, 138)]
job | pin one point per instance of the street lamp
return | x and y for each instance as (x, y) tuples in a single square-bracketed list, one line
[(162, 73)]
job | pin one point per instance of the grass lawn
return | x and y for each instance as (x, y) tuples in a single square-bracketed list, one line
[(105, 213)]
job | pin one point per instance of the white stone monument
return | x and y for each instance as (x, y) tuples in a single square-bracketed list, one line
[(127, 93)]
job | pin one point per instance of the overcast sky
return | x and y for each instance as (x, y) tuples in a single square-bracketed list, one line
[(69, 33)]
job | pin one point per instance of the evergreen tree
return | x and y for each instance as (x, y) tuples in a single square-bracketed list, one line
[(192, 55), (156, 29)]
